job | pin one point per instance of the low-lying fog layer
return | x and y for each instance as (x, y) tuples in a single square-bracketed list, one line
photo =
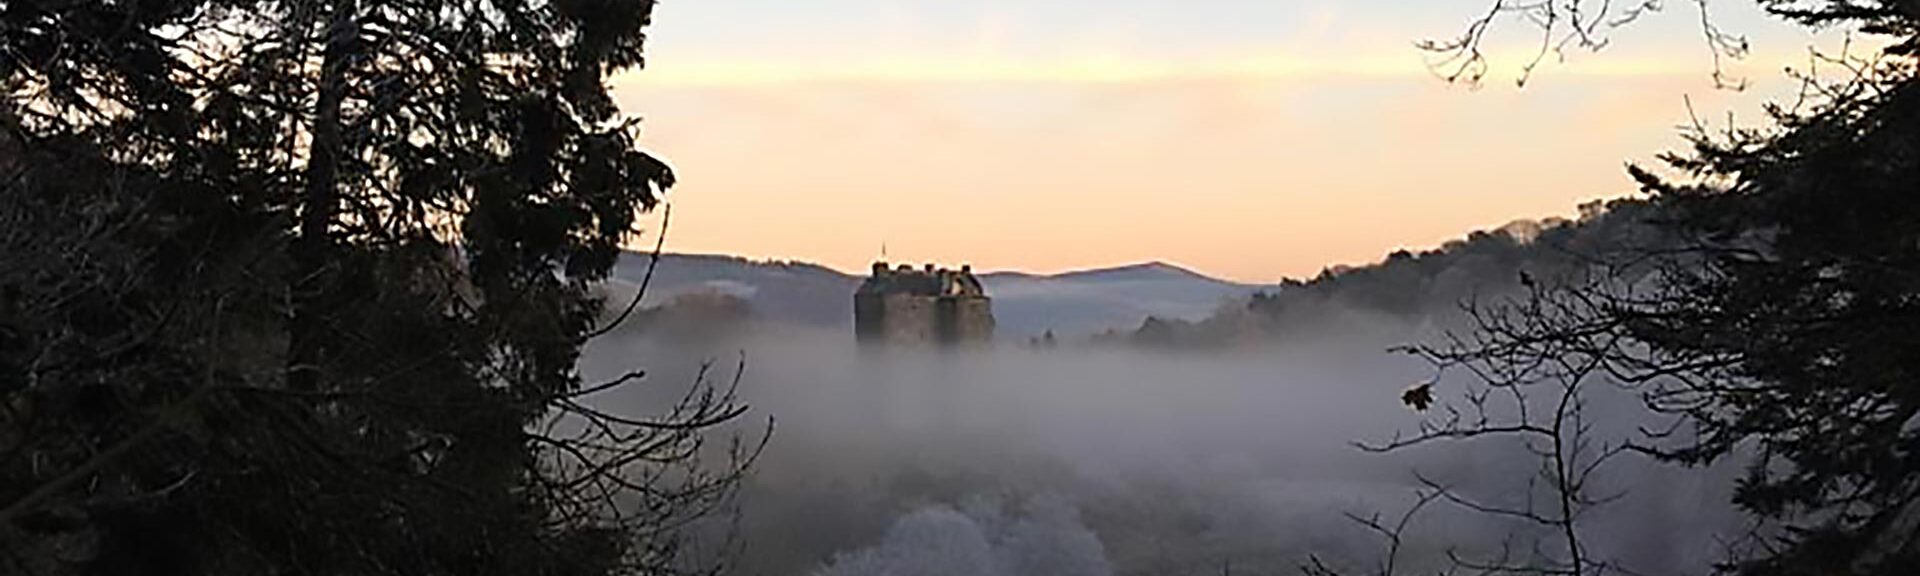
[(1016, 462)]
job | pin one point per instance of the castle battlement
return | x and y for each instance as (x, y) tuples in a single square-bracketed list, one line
[(926, 281), (926, 305)]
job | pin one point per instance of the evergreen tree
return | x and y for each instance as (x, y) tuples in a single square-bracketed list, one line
[(300, 287), (1777, 326), (1793, 323)]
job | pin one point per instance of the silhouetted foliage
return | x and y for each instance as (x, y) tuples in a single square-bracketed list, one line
[(299, 287), (700, 316), (1769, 318), (1778, 329), (1795, 330), (1412, 288)]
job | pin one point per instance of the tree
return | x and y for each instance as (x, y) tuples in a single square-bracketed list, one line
[(1776, 327), (299, 287), (1537, 394), (1790, 337)]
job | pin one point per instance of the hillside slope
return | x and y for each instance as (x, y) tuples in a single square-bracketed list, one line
[(1069, 304), (1417, 289)]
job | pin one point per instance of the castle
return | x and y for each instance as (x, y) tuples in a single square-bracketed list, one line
[(936, 306)]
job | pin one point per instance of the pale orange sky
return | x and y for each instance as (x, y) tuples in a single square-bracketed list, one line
[(1250, 160)]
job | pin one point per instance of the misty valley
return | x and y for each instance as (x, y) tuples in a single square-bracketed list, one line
[(959, 288), (1134, 439)]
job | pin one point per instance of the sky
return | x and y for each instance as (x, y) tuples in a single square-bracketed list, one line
[(1246, 139)]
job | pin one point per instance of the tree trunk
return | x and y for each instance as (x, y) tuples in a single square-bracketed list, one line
[(319, 204)]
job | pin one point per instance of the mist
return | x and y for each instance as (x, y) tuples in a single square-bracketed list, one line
[(1014, 461)]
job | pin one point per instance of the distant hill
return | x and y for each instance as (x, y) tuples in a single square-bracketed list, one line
[(1070, 304), (780, 291), (1149, 271), (1163, 305), (1425, 288), (1089, 301)]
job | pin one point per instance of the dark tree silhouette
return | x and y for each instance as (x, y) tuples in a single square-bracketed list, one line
[(299, 288), (1775, 326), (1787, 330), (1535, 392)]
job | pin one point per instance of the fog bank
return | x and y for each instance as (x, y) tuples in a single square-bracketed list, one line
[(1012, 461)]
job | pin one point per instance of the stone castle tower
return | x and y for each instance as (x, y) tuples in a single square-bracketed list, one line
[(930, 305)]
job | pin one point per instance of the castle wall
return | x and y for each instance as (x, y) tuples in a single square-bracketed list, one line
[(922, 319), (934, 306), (909, 318), (869, 317), (960, 320)]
